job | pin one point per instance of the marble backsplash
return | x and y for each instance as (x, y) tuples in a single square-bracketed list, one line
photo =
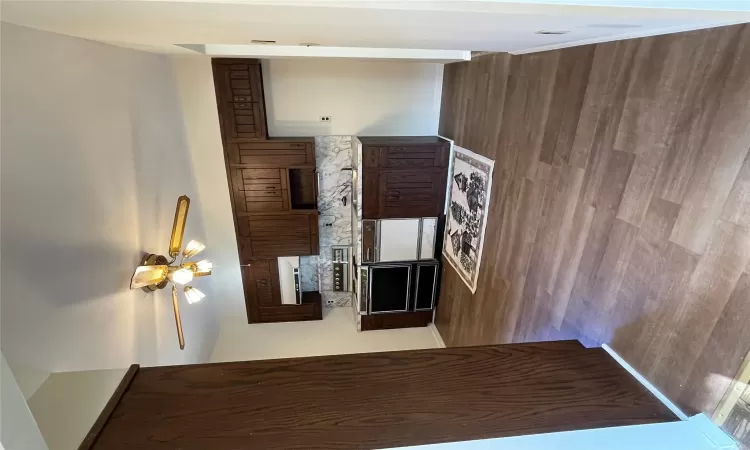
[(332, 155)]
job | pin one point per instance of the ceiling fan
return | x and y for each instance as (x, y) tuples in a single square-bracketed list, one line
[(156, 271)]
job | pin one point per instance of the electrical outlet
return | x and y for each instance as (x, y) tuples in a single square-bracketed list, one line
[(325, 118), (330, 302)]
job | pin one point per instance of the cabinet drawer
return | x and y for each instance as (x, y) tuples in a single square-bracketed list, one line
[(271, 154), (263, 190), (415, 156)]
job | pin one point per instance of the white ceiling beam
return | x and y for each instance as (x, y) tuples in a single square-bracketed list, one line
[(298, 51)]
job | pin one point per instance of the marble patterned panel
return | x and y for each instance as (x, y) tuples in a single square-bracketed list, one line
[(332, 155), (336, 299), (308, 273)]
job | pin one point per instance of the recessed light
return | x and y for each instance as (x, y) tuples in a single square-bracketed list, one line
[(260, 41), (552, 32)]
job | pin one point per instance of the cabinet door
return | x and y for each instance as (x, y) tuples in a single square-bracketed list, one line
[(425, 286), (268, 235), (260, 190), (389, 288), (239, 93), (261, 282), (398, 240), (403, 193)]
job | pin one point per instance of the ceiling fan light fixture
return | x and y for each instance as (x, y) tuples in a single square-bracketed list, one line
[(193, 295), (157, 271), (178, 228), (181, 276), (148, 275), (193, 248), (203, 267)]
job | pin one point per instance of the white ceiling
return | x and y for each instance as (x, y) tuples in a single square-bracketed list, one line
[(480, 25)]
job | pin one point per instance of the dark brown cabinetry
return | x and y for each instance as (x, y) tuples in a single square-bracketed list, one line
[(272, 153), (260, 280), (405, 399), (273, 235), (239, 94), (274, 190), (403, 176)]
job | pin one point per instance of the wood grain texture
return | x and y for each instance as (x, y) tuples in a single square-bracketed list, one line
[(396, 320), (90, 439), (404, 176), (620, 207), (379, 400), (265, 175)]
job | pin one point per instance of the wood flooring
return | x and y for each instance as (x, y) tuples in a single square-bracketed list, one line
[(378, 400), (620, 208)]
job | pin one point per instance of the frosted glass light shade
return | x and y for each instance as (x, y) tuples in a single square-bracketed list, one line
[(148, 275), (192, 249), (203, 267), (182, 276), (193, 295)]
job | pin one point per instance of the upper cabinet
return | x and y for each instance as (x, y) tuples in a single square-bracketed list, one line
[(239, 94), (404, 176), (273, 181)]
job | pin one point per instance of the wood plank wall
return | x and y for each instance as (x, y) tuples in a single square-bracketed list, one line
[(620, 207)]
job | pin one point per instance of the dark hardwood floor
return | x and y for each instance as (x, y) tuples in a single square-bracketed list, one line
[(378, 400), (620, 208)]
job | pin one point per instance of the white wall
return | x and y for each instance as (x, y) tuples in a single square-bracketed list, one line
[(94, 155), (362, 97), (335, 334), (64, 427), (18, 429)]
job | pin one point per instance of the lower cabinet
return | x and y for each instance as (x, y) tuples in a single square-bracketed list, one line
[(260, 278), (402, 293)]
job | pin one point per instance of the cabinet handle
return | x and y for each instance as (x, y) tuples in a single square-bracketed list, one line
[(298, 145), (369, 256)]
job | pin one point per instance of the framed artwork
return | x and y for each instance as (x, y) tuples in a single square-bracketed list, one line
[(471, 185)]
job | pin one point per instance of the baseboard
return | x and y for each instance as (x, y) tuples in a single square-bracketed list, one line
[(641, 379), (436, 334)]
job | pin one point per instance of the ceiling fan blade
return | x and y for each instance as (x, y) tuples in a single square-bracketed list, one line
[(148, 275), (177, 319), (178, 227)]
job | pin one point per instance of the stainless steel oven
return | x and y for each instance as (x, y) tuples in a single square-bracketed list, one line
[(388, 288), (396, 287)]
